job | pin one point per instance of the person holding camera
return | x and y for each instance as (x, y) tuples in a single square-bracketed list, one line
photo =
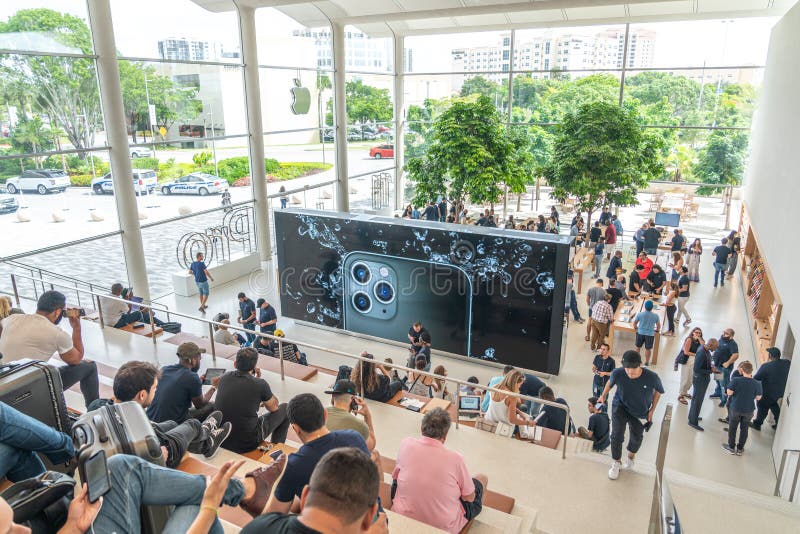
[(37, 336), (241, 393), (345, 405)]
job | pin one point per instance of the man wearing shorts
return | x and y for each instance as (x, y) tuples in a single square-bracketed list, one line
[(646, 325), (201, 277)]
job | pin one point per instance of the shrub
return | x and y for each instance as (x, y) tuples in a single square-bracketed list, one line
[(144, 163), (233, 168), (291, 170), (201, 158), (271, 165), (81, 180)]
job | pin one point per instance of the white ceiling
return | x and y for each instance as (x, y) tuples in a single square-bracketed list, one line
[(385, 17)]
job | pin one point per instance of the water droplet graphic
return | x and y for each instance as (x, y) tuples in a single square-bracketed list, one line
[(310, 308)]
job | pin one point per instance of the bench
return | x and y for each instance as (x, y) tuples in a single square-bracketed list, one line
[(144, 330), (294, 370), (221, 350), (580, 262)]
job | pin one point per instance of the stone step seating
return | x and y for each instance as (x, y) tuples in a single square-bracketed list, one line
[(143, 329), (265, 363)]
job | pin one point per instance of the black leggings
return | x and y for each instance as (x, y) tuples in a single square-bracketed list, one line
[(671, 309)]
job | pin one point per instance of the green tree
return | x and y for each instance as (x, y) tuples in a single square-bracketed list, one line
[(32, 136), (367, 104), (722, 161), (478, 85), (323, 84), (471, 155), (602, 155)]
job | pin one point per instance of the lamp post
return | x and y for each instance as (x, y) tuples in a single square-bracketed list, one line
[(213, 138), (150, 116)]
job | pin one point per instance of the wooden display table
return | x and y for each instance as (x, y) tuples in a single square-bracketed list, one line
[(434, 403), (626, 314)]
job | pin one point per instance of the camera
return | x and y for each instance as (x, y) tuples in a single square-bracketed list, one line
[(384, 292), (362, 302), (73, 312), (353, 405), (360, 273)]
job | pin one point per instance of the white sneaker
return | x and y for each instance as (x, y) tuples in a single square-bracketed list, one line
[(629, 463), (613, 472)]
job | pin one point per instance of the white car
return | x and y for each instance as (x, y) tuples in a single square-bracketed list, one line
[(141, 152), (144, 181), (42, 181), (197, 183)]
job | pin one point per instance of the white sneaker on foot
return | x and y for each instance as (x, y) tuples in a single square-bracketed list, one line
[(629, 463), (613, 472)]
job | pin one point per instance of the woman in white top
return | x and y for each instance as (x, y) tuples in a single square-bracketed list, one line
[(504, 408)]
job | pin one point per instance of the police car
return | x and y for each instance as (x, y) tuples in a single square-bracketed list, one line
[(144, 181), (197, 183)]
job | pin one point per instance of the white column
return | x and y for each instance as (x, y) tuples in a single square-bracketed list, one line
[(117, 137), (255, 129), (340, 117), (399, 117)]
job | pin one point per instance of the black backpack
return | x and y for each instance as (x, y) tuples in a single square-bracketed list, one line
[(344, 372)]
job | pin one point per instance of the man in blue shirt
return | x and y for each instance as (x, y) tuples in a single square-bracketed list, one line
[(267, 317), (724, 357), (602, 365), (613, 265), (646, 324), (773, 375), (743, 392), (636, 398), (201, 277), (700, 378), (247, 316), (307, 417), (638, 238)]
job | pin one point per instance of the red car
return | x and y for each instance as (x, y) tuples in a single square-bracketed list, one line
[(382, 151)]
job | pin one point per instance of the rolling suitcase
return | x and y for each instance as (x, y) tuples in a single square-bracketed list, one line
[(34, 388), (124, 429)]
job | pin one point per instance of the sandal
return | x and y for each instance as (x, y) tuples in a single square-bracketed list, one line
[(586, 338), (683, 400)]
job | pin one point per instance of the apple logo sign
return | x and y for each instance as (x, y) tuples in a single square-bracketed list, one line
[(301, 98)]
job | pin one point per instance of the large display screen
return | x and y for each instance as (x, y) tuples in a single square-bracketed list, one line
[(486, 293)]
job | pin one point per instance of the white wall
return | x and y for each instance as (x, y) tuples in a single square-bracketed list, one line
[(772, 193)]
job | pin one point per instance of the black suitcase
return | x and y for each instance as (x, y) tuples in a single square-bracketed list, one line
[(123, 429), (34, 388)]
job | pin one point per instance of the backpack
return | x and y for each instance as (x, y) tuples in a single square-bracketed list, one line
[(344, 372)]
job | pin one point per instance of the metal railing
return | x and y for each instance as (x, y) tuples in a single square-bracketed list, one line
[(795, 478), (71, 279), (281, 340), (663, 514)]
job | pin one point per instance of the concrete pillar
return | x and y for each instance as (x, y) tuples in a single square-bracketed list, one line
[(340, 117), (255, 129), (399, 117), (117, 137)]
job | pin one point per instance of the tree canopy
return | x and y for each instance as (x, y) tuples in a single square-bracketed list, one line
[(471, 155), (602, 154)]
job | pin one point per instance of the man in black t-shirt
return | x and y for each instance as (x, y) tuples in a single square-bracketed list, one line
[(636, 398), (247, 316), (420, 340), (700, 378), (431, 212), (602, 366), (651, 239), (343, 488), (678, 241), (616, 294), (773, 376), (598, 430), (443, 209), (635, 282), (657, 279), (241, 393), (683, 297), (743, 391), (720, 253)]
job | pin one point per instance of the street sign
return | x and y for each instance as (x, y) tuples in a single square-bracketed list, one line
[(162, 131), (152, 109)]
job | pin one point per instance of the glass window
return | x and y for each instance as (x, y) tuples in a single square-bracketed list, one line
[(296, 166), (589, 48), (295, 99), (283, 42), (368, 54), (546, 97), (457, 52), (178, 30)]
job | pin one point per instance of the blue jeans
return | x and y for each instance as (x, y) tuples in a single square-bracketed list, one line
[(723, 384), (134, 317), (719, 273), (136, 482), (20, 435), (284, 201), (573, 305)]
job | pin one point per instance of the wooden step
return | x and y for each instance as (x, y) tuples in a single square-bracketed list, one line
[(294, 370), (144, 330), (224, 351)]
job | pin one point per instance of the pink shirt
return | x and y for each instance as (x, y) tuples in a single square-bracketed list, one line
[(431, 480)]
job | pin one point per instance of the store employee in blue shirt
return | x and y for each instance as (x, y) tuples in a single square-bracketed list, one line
[(700, 378), (247, 316), (743, 391), (724, 357), (636, 398)]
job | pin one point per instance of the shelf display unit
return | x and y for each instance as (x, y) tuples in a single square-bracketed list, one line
[(760, 290)]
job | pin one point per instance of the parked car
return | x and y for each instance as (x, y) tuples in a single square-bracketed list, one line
[(327, 135), (42, 181), (197, 183), (354, 134), (144, 181), (8, 204), (382, 151), (141, 152)]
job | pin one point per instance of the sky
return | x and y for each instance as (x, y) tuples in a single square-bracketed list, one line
[(146, 21)]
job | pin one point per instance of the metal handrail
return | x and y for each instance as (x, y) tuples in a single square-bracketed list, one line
[(75, 281), (778, 482), (359, 358), (663, 515)]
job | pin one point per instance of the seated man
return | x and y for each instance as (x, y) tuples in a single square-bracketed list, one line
[(36, 336), (341, 496), (599, 426), (307, 417), (21, 436), (119, 314), (551, 416), (181, 388), (288, 351), (137, 382), (431, 482), (241, 393), (344, 404), (226, 337), (135, 482)]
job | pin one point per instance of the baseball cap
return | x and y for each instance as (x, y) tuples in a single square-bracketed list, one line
[(188, 350), (342, 386), (774, 352), (631, 359), (278, 333)]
